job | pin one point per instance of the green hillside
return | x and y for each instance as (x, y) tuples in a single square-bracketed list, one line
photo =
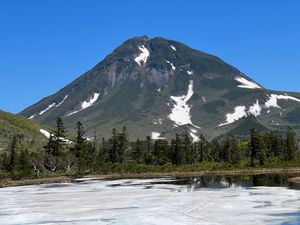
[(28, 131)]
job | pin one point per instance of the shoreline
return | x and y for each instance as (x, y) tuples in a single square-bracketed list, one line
[(68, 179)]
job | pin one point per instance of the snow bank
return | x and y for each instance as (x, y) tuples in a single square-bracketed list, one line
[(47, 135), (87, 103), (32, 116), (159, 121), (239, 112), (156, 136), (194, 137), (255, 109), (273, 100), (143, 56), (190, 72), (247, 83), (181, 110), (62, 100), (172, 65), (90, 102), (193, 134), (48, 107)]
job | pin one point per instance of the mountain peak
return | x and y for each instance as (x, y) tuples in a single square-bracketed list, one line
[(162, 87)]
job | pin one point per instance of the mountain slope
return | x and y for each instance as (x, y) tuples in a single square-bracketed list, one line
[(28, 131), (159, 87)]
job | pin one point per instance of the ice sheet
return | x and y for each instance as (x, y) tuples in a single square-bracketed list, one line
[(136, 202)]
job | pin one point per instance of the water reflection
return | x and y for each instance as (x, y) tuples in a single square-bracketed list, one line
[(246, 181), (215, 182)]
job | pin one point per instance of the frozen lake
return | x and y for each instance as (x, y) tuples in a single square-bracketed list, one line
[(166, 201)]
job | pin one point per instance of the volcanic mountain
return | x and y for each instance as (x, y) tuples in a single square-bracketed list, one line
[(158, 87)]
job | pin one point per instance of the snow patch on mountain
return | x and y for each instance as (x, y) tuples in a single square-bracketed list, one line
[(255, 109), (62, 100), (48, 107), (194, 137), (193, 134), (32, 116), (203, 99), (143, 56), (173, 47), (91, 101), (190, 72), (172, 65), (159, 121), (74, 112), (156, 136), (47, 134), (247, 83), (273, 100), (239, 112), (181, 110), (194, 130), (87, 103)]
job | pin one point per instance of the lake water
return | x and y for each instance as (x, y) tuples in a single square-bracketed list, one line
[(239, 200)]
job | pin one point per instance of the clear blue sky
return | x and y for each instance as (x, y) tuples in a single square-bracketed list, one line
[(46, 44)]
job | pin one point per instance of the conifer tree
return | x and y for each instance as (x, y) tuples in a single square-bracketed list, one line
[(13, 155), (187, 149), (80, 139), (230, 150), (148, 146), (273, 143), (80, 133), (50, 147), (59, 136), (194, 154), (82, 149), (161, 152), (137, 152), (93, 149), (102, 153), (113, 146), (122, 144), (215, 152), (202, 144), (254, 145), (24, 161), (291, 145), (5, 159), (177, 150)]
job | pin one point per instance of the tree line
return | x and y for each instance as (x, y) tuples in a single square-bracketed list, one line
[(95, 156)]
